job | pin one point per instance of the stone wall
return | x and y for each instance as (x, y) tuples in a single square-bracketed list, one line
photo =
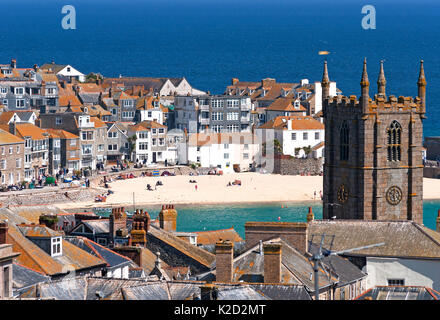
[(431, 172), (298, 166)]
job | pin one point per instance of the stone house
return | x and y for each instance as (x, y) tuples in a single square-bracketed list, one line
[(11, 158)]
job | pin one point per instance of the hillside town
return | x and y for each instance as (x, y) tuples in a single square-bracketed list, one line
[(67, 137)]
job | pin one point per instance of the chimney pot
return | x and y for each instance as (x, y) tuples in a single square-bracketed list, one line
[(224, 259)]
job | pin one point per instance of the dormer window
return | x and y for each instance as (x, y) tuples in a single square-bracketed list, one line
[(56, 247), (263, 93), (296, 104)]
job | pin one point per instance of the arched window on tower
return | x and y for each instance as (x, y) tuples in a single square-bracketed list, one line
[(343, 141), (394, 134)]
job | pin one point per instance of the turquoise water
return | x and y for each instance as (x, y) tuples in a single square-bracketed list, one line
[(210, 217)]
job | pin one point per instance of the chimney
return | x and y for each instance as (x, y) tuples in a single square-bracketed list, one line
[(35, 67), (272, 262), (3, 232), (13, 63), (48, 220), (310, 215), (437, 227), (268, 82), (168, 218), (224, 260), (294, 233), (234, 81), (12, 128), (208, 292)]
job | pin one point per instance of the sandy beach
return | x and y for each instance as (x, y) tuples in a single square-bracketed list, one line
[(255, 187)]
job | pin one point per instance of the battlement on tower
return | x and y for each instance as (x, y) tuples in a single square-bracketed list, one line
[(379, 103)]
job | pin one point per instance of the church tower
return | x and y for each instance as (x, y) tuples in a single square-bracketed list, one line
[(373, 166)]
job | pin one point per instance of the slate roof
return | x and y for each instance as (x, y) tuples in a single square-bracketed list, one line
[(399, 293), (24, 277), (98, 225), (404, 239), (112, 258), (37, 231), (200, 255), (86, 288)]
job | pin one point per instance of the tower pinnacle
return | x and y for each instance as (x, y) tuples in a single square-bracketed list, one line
[(325, 82), (365, 86), (381, 82)]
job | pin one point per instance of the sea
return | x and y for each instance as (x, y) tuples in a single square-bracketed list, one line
[(211, 41)]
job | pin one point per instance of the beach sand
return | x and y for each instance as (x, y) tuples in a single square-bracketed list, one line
[(255, 187)]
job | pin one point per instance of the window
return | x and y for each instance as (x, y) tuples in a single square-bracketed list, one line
[(87, 135), (305, 136), (217, 128), (18, 149), (245, 155), (150, 114), (11, 149), (233, 103), (73, 142), (72, 154), (226, 146), (100, 147), (232, 116), (87, 149), (3, 164), (56, 246), (293, 136), (154, 142), (226, 155), (6, 281), (50, 91), (58, 120), (18, 163), (246, 146), (112, 134), (19, 103), (217, 116), (143, 146), (114, 111), (128, 103), (161, 141), (161, 130), (232, 128), (68, 69), (112, 147), (102, 241), (344, 135), (394, 133), (216, 103), (3, 90), (396, 282), (27, 158), (3, 150), (19, 91), (316, 135), (154, 131)]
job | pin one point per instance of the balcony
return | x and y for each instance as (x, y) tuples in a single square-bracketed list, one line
[(204, 107), (204, 121)]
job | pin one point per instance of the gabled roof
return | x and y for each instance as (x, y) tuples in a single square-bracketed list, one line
[(146, 125), (37, 231), (297, 123), (112, 258), (95, 226), (62, 134), (212, 237), (98, 122), (23, 115), (200, 255), (30, 130), (285, 104), (7, 138), (403, 239)]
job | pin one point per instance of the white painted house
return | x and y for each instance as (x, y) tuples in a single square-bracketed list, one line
[(65, 70), (229, 152), (296, 134), (151, 144)]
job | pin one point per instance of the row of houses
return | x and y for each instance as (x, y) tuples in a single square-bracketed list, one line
[(50, 254)]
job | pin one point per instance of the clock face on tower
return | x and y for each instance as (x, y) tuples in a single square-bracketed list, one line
[(342, 194), (394, 195)]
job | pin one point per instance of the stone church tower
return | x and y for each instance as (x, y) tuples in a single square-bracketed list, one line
[(373, 153)]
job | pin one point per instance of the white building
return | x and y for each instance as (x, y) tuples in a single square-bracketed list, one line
[(151, 144), (296, 135), (229, 152), (65, 70)]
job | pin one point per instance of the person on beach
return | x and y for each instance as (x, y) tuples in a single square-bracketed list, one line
[(314, 195), (196, 187)]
